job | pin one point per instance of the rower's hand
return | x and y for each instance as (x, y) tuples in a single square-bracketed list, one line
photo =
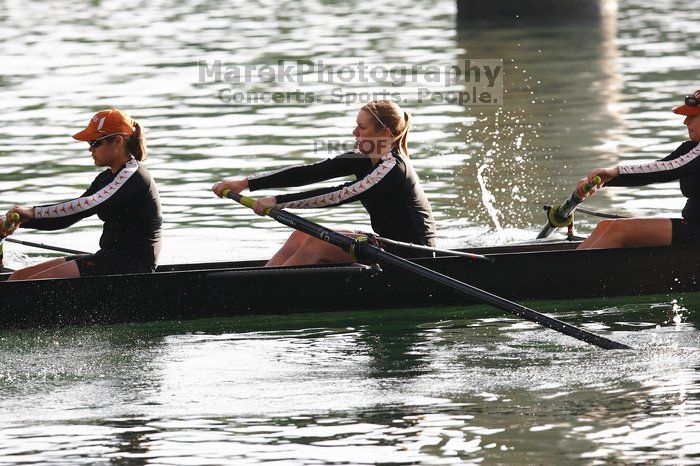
[(234, 185), (604, 174), (264, 203), (9, 225)]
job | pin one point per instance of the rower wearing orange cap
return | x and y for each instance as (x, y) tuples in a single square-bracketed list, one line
[(682, 164), (124, 196)]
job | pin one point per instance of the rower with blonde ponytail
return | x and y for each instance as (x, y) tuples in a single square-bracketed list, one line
[(384, 182)]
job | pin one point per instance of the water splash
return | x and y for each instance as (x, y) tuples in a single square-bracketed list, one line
[(506, 157), (676, 314), (487, 197)]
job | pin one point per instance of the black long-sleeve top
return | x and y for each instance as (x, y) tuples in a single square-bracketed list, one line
[(682, 164), (390, 191), (127, 202)]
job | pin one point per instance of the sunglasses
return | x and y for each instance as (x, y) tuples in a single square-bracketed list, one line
[(98, 142), (691, 100)]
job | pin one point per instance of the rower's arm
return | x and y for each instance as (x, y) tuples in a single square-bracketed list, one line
[(684, 161), (383, 178), (100, 196), (301, 175), (58, 223)]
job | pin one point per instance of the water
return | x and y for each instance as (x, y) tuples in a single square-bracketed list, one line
[(400, 387), (397, 387)]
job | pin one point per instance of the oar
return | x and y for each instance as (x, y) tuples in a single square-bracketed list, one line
[(596, 213), (45, 246), (6, 225), (420, 247), (560, 215), (366, 250)]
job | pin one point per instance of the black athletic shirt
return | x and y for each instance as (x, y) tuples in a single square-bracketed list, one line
[(390, 191), (128, 203), (682, 164)]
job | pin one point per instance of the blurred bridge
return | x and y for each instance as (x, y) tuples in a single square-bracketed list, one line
[(533, 10)]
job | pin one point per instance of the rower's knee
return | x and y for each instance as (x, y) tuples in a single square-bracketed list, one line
[(315, 251), (28, 272), (294, 242), (603, 226), (618, 226), (296, 239), (312, 249), (618, 230), (18, 275)]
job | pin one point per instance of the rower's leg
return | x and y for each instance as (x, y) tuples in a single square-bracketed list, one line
[(23, 274), (630, 232), (66, 270), (316, 251), (292, 245), (599, 231)]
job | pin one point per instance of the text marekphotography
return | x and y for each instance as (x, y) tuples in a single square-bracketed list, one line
[(280, 82)]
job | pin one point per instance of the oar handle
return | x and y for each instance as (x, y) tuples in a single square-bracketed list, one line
[(246, 201), (588, 187), (7, 224), (346, 243), (563, 212)]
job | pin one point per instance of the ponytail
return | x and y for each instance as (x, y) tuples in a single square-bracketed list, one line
[(402, 138), (136, 143)]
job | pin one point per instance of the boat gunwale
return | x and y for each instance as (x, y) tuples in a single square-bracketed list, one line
[(257, 267)]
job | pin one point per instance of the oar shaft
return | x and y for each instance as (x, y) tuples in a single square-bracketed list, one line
[(15, 217), (561, 213), (45, 246), (568, 206), (498, 302), (420, 247), (595, 213), (368, 251), (346, 243)]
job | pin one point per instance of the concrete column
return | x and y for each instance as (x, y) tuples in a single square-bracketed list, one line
[(530, 10)]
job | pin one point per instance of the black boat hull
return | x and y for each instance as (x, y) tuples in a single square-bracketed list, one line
[(542, 271)]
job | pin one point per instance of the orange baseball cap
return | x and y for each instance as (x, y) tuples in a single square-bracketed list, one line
[(691, 106), (106, 123)]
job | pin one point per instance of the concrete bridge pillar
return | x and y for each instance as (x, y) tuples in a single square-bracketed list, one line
[(532, 10)]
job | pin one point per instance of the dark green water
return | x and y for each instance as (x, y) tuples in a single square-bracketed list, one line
[(396, 387), (428, 386)]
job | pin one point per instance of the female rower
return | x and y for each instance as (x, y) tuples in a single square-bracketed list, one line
[(124, 196), (682, 164), (385, 183)]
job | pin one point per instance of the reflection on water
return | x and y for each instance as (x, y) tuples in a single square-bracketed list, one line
[(401, 386), (414, 386)]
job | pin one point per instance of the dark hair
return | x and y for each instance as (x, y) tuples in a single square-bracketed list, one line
[(136, 143), (390, 116)]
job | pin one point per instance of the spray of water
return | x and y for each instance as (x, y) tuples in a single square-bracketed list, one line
[(505, 157)]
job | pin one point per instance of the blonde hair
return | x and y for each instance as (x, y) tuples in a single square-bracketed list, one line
[(389, 115)]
